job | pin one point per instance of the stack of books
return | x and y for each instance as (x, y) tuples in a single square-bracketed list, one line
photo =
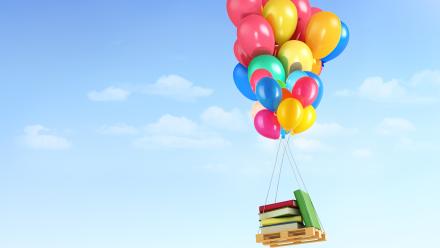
[(280, 216)]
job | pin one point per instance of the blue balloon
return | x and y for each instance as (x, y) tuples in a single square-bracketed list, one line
[(284, 133), (241, 80), (318, 81), (343, 42), (269, 93), (293, 77)]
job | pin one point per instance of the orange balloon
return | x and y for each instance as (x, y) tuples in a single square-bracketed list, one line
[(317, 67), (323, 33), (286, 93)]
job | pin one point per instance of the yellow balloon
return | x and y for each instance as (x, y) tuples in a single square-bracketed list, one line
[(296, 55), (323, 33), (289, 113), (308, 119), (317, 67), (283, 17)]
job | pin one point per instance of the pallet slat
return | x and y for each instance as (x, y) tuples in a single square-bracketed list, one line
[(291, 237)]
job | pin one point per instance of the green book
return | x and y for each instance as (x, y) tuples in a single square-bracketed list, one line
[(282, 212), (307, 210), (275, 221)]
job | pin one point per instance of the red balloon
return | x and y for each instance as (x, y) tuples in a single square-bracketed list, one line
[(305, 90), (257, 75), (255, 36), (304, 14), (239, 9), (241, 55), (266, 124)]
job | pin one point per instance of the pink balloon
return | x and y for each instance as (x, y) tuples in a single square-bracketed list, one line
[(241, 55), (239, 9), (315, 10), (267, 124), (255, 36), (304, 14), (305, 90), (257, 75)]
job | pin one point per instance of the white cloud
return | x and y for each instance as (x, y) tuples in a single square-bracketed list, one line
[(177, 87), (395, 126), (178, 133), (308, 145), (109, 94), (219, 118), (362, 153), (377, 89), (118, 129), (41, 138), (414, 90), (431, 77), (329, 129)]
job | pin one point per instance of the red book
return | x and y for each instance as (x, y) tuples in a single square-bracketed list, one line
[(278, 205)]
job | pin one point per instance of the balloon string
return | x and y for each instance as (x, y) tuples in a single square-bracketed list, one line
[(271, 178), (279, 175)]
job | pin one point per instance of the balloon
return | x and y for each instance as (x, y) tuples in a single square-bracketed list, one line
[(240, 55), (343, 42), (296, 55), (267, 125), (269, 93), (241, 80), (284, 133), (255, 36), (270, 63), (281, 84), (293, 77), (283, 17), (323, 33), (317, 67), (304, 14), (318, 81), (239, 9), (307, 120), (257, 107), (305, 90), (257, 75), (315, 10), (286, 93), (289, 113)]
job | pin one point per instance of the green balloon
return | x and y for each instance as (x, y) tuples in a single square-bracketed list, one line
[(271, 64)]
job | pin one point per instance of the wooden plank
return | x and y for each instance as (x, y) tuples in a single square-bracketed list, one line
[(291, 237)]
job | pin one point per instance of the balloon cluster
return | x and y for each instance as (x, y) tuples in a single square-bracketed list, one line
[(281, 47)]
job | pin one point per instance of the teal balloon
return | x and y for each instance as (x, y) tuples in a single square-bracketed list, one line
[(293, 77), (269, 63), (343, 42)]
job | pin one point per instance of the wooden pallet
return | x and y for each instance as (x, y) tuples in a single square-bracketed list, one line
[(291, 237)]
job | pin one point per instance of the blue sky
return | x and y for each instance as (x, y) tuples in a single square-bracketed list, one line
[(122, 127)]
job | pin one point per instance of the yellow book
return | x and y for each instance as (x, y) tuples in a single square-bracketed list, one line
[(276, 221)]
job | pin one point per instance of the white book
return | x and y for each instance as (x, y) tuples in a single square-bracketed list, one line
[(282, 212), (281, 227)]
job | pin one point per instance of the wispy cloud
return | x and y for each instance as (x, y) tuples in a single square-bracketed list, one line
[(178, 88), (378, 89), (395, 126), (178, 132), (217, 117), (109, 94), (362, 153), (41, 138)]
